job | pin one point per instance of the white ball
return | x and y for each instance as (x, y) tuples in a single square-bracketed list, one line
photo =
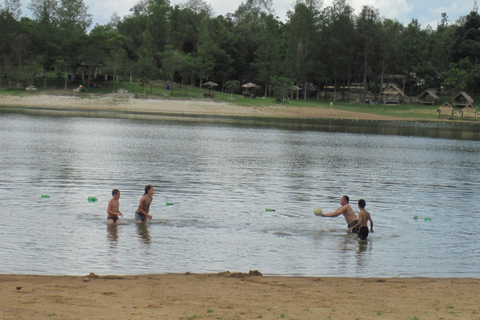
[(317, 211)]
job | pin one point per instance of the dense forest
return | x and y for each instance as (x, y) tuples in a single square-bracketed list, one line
[(316, 47)]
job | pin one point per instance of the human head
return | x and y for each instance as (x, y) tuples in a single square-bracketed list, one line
[(148, 188), (361, 203), (344, 200), (115, 192)]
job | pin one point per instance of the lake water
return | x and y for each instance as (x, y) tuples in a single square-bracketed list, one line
[(221, 178)]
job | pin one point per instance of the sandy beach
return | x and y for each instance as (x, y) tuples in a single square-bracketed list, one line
[(127, 103), (235, 296)]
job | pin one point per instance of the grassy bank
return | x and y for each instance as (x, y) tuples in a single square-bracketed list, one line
[(158, 89)]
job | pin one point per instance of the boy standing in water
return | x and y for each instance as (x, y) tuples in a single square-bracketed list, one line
[(363, 217), (143, 210), (113, 208)]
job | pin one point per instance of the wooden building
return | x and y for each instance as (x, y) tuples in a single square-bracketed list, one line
[(446, 109), (428, 97), (462, 100), (469, 111), (392, 94)]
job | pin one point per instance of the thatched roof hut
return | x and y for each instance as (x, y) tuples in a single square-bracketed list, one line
[(392, 94), (428, 97), (447, 109), (470, 111), (462, 100)]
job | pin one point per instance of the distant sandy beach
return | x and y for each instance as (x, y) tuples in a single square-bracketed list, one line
[(127, 103), (235, 296)]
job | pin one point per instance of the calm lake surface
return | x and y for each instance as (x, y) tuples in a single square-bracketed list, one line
[(221, 179)]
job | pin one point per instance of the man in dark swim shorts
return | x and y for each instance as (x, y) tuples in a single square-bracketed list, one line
[(363, 217), (354, 223)]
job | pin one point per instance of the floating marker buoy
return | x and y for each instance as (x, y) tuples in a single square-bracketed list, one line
[(169, 203), (415, 217), (427, 219), (268, 210), (92, 199), (45, 196)]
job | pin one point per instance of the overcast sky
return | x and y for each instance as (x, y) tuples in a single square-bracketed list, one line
[(427, 12)]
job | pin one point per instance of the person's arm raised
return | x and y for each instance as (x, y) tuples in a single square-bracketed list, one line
[(335, 213)]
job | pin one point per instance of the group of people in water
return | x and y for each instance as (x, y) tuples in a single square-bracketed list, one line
[(355, 224), (142, 213)]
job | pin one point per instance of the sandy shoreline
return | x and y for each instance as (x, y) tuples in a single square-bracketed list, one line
[(127, 103), (235, 296)]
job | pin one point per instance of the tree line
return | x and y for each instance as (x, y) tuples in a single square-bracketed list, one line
[(187, 44)]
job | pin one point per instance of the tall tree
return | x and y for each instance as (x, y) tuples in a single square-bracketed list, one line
[(368, 23), (45, 14), (268, 54), (336, 53), (414, 51), (73, 22), (466, 42), (440, 45), (14, 7), (146, 69), (301, 36)]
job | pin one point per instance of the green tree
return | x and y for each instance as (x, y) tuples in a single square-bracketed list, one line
[(75, 48), (281, 86), (368, 24), (232, 86), (334, 59), (458, 76), (466, 42), (204, 58), (170, 59), (268, 54), (301, 36), (45, 14), (146, 69), (14, 8), (223, 38), (415, 55)]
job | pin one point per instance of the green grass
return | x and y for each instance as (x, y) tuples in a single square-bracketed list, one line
[(411, 111)]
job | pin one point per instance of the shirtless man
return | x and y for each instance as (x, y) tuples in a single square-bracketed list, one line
[(363, 217), (143, 210), (113, 208), (348, 213)]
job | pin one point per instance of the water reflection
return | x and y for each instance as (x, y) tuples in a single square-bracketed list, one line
[(112, 234), (457, 130), (142, 231), (362, 255)]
